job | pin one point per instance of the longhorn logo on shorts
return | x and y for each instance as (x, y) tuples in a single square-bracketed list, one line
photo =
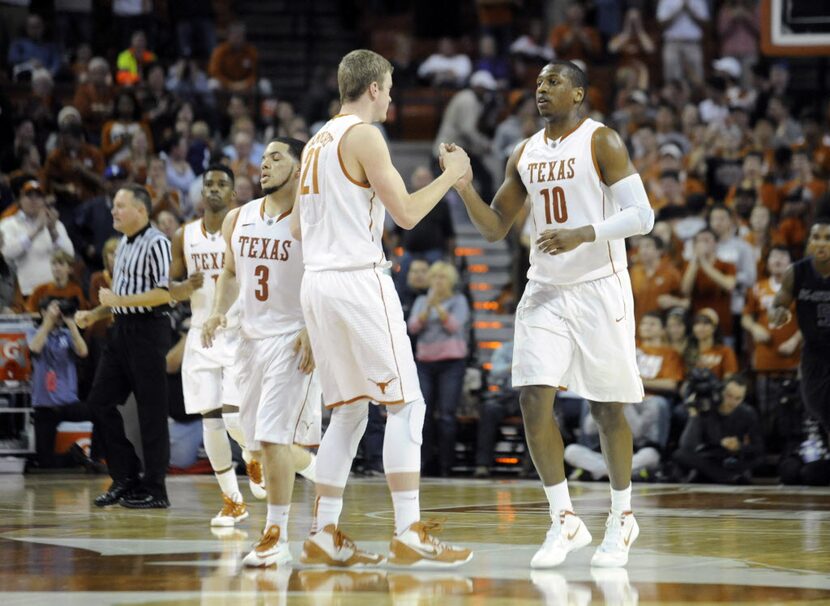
[(383, 384)]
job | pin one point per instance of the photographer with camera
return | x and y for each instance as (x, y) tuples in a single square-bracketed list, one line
[(55, 346), (722, 441)]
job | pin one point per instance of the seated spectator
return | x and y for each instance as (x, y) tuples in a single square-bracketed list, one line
[(186, 80), (775, 351), (661, 367), (95, 98), (762, 237), (11, 301), (490, 61), (137, 164), (655, 282), (677, 333), (167, 223), (723, 443), (807, 463), (417, 284), (31, 236), (131, 62), (32, 51), (788, 131), (41, 106), (446, 66), (118, 132), (440, 319), (61, 286), (244, 124), (234, 63), (707, 351), (533, 45), (244, 188), (179, 172), (55, 346), (573, 39), (74, 170), (708, 281), (242, 166), (158, 105), (11, 157)]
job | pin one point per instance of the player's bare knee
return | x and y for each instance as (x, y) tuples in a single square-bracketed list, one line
[(608, 416), (535, 404)]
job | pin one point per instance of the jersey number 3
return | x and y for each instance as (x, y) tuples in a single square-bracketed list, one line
[(555, 207), (261, 272), (311, 160)]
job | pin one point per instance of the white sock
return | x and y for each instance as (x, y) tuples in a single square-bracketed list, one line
[(407, 505), (621, 500), (229, 485), (278, 516), (328, 511), (310, 472), (246, 456), (559, 499)]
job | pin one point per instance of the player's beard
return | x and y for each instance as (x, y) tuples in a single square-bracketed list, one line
[(267, 191)]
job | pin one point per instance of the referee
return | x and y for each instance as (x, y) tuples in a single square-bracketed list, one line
[(134, 355)]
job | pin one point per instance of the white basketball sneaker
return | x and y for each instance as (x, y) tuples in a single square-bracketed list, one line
[(255, 479), (565, 535), (269, 550), (621, 530)]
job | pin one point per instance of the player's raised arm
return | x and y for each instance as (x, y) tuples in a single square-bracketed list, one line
[(371, 152), (493, 221)]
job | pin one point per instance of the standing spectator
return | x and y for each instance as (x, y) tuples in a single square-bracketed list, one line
[(74, 170), (13, 15), (446, 66), (762, 237), (775, 353), (654, 280), (60, 287), (682, 22), (739, 30), (460, 124), (131, 62), (573, 39), (134, 357), (118, 132), (724, 444), (440, 318), (195, 30), (55, 347), (752, 179), (633, 45), (433, 239), (234, 63), (31, 236), (95, 98), (707, 351), (709, 281), (73, 22), (130, 16), (787, 129), (32, 51)]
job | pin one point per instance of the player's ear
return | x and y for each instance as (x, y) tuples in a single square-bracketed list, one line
[(374, 89), (579, 95)]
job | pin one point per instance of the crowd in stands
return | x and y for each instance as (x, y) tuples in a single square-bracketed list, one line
[(734, 163)]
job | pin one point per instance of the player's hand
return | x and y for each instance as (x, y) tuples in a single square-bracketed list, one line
[(302, 346), (467, 178), (778, 316), (195, 281), (760, 334), (558, 241), (83, 318), (453, 160), (108, 298), (209, 328)]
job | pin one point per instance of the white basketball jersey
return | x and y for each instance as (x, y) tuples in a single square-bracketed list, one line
[(566, 191), (341, 219), (205, 253), (269, 269)]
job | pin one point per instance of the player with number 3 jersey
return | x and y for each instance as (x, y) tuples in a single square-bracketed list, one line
[(575, 323)]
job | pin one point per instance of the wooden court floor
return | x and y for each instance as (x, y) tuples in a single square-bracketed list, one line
[(698, 545)]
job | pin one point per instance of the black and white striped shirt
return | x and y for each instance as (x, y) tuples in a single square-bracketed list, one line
[(142, 263)]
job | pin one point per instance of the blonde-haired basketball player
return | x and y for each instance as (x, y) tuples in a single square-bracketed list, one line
[(280, 400), (354, 316), (575, 322), (208, 378)]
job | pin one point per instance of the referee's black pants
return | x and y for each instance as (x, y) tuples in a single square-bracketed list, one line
[(815, 385), (133, 361)]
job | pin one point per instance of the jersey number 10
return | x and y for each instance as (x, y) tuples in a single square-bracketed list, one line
[(555, 207)]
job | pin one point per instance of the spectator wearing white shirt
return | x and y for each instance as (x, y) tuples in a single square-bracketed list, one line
[(682, 22), (446, 66), (31, 236)]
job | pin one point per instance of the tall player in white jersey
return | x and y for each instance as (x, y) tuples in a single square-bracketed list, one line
[(354, 316), (280, 400), (575, 322), (208, 378)]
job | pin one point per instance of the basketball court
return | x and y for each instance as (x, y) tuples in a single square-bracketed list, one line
[(698, 545)]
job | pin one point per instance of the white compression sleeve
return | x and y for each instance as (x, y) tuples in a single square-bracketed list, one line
[(635, 216)]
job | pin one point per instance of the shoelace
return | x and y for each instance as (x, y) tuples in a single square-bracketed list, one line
[(427, 530), (269, 538), (341, 540), (229, 508), (254, 472)]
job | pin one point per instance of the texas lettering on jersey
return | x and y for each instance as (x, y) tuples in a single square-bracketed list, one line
[(555, 170), (264, 248), (208, 261)]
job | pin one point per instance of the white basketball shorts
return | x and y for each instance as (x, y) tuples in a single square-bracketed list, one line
[(208, 373)]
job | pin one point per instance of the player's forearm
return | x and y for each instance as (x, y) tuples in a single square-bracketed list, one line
[(102, 312), (180, 291), (635, 217), (152, 298), (487, 221), (425, 199), (225, 293)]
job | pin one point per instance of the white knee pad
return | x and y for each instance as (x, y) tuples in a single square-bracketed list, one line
[(217, 446), (403, 437), (339, 444)]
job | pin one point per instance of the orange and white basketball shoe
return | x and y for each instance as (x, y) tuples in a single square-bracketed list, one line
[(255, 480), (621, 530), (330, 547), (567, 534), (269, 550), (417, 548), (234, 510)]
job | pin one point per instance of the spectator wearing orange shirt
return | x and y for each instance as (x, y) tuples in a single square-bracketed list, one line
[(74, 170), (709, 281), (776, 352), (762, 236), (800, 195), (655, 282), (131, 61), (95, 98), (61, 287), (708, 351), (233, 64), (118, 132), (573, 39), (752, 179)]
